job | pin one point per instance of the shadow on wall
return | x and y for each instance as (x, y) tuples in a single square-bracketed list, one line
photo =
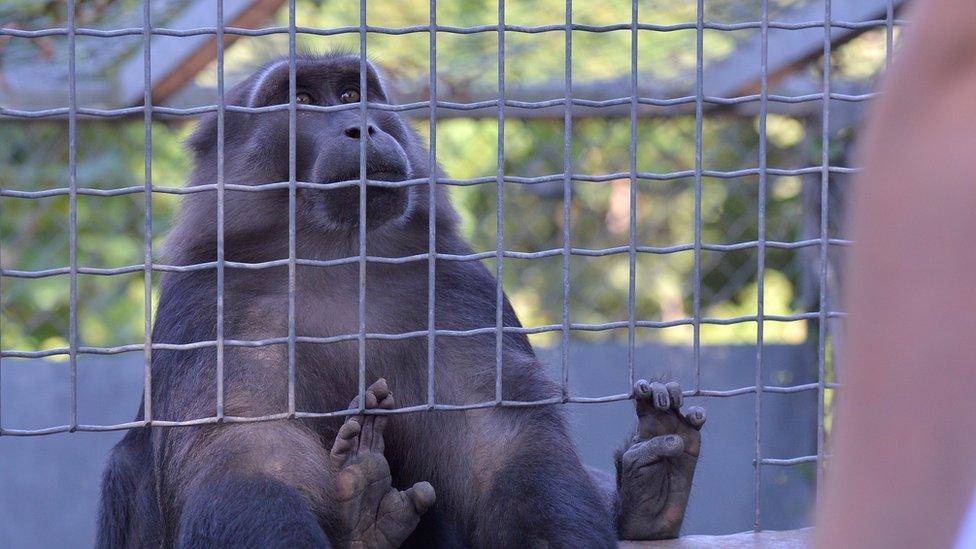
[(49, 484)]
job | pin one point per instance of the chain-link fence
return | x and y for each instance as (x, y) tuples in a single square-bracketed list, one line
[(742, 220)]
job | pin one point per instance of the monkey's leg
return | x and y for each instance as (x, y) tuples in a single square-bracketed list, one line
[(126, 518), (372, 513), (539, 494), (655, 469), (254, 485)]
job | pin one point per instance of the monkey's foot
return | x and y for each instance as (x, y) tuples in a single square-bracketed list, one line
[(655, 472), (372, 513)]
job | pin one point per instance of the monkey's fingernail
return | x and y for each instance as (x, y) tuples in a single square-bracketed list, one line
[(696, 416)]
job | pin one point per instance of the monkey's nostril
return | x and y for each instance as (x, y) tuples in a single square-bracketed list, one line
[(354, 133)]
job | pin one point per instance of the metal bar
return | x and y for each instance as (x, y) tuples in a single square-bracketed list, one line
[(585, 252), (292, 204), (699, 113), (586, 327), (889, 34), (790, 461), (1, 329), (363, 132), (432, 208), (72, 223), (761, 262), (411, 409), (598, 178), (824, 247), (454, 106), (632, 222), (500, 209), (567, 198), (451, 29), (220, 209), (147, 254)]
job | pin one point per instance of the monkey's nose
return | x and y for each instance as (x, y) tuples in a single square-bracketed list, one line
[(352, 132)]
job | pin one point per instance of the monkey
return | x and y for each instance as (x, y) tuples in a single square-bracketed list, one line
[(489, 476)]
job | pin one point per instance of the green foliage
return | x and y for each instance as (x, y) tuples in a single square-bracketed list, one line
[(110, 229), (34, 233)]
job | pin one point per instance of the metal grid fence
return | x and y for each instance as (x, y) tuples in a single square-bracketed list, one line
[(501, 179)]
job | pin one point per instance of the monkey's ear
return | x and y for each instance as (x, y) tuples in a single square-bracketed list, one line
[(377, 76), (260, 88), (244, 94)]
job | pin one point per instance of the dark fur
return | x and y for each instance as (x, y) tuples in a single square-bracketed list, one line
[(504, 477)]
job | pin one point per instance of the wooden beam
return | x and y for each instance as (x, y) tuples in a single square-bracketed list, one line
[(176, 61)]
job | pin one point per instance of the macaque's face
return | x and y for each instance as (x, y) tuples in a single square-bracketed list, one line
[(328, 144)]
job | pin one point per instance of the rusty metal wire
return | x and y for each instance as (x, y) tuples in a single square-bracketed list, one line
[(503, 105)]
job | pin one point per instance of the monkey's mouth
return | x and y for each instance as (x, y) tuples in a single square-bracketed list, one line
[(383, 202)]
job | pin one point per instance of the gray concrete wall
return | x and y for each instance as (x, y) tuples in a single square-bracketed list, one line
[(49, 484)]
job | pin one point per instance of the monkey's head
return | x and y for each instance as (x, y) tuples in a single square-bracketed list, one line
[(328, 147)]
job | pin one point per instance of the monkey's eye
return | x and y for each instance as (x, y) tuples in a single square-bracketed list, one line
[(349, 96), (303, 98)]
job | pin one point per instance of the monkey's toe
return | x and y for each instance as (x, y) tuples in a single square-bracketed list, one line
[(378, 395), (654, 396), (674, 391), (695, 417)]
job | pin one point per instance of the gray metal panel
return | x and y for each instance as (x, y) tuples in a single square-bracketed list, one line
[(49, 484), (741, 71), (168, 58)]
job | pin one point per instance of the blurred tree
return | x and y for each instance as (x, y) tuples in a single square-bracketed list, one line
[(34, 156)]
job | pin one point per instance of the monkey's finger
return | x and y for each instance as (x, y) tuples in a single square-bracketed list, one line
[(380, 388), (643, 402), (371, 439), (370, 401), (422, 496), (368, 435), (376, 444), (386, 401), (695, 417), (349, 430), (660, 397), (674, 392), (346, 440)]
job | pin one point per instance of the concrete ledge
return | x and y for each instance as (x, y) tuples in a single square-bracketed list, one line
[(786, 539)]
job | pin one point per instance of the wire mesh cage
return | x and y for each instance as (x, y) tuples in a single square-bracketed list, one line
[(724, 239)]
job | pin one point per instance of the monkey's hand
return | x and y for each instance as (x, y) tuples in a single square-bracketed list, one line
[(654, 473), (372, 513)]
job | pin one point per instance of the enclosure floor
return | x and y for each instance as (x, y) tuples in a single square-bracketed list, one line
[(786, 539)]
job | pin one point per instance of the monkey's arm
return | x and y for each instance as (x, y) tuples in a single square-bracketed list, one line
[(655, 468)]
